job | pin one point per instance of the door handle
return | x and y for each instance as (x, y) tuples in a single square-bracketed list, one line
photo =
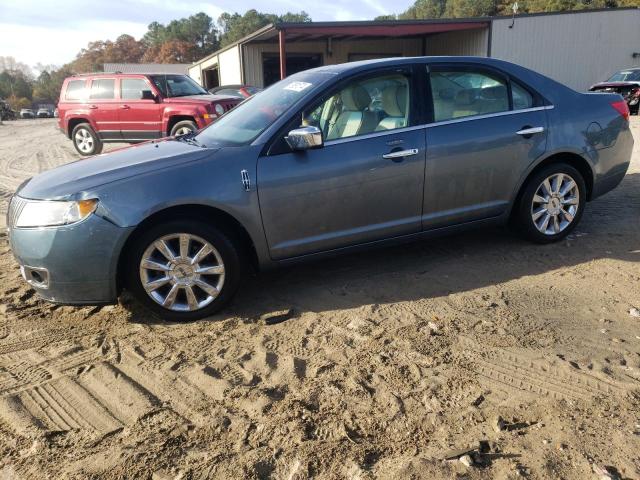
[(93, 107), (400, 154), (528, 131), (125, 107)]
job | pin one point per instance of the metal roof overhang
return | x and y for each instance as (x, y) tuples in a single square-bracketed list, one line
[(380, 30)]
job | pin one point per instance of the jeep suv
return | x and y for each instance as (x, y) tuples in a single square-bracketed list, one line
[(115, 107)]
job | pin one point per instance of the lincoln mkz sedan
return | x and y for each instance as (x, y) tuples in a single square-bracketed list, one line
[(328, 160)]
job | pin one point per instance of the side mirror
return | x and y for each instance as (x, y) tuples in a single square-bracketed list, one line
[(148, 95), (304, 138)]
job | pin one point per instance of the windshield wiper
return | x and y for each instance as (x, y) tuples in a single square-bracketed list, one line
[(191, 139)]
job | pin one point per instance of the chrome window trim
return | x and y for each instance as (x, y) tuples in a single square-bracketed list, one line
[(435, 124), (488, 115)]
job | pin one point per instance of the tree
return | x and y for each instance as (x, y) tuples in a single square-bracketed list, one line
[(125, 49), (198, 32), (14, 83), (234, 26), (10, 63), (469, 8), (171, 51)]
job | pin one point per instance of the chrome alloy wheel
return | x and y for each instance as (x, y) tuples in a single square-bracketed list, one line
[(182, 272), (183, 131), (84, 140), (555, 204)]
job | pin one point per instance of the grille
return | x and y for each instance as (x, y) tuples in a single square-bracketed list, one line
[(15, 208)]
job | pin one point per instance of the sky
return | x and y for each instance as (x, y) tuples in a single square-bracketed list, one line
[(54, 31)]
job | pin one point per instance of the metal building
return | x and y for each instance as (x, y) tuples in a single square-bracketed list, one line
[(576, 48)]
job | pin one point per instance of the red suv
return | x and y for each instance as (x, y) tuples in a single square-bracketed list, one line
[(115, 107)]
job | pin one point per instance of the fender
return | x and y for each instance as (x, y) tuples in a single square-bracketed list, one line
[(79, 113), (174, 110), (540, 160)]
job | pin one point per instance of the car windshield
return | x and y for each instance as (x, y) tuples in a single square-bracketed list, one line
[(626, 76), (250, 118), (177, 85)]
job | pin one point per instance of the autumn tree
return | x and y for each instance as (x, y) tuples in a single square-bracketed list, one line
[(188, 38)]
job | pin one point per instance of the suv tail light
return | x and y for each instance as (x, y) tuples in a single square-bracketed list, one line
[(622, 108)]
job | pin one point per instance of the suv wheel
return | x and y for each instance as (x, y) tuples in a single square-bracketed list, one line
[(85, 140), (184, 270), (552, 203), (183, 127)]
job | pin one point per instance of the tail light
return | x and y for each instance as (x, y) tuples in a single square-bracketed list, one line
[(622, 108)]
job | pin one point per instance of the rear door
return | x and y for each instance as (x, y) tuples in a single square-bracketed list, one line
[(487, 129), (104, 107), (140, 119)]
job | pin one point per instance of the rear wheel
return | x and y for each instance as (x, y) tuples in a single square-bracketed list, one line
[(184, 269), (183, 127), (551, 204), (85, 140)]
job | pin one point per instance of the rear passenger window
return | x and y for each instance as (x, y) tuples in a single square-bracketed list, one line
[(458, 94), (131, 88), (521, 97), (103, 89), (75, 90)]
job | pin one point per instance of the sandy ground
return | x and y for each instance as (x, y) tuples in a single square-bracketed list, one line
[(385, 364)]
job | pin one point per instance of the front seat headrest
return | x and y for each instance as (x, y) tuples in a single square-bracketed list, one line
[(355, 98), (394, 100)]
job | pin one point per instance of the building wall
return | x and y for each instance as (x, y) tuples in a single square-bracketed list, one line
[(230, 66), (576, 49), (464, 42), (196, 73), (339, 52)]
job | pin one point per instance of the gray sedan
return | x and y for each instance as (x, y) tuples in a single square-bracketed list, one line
[(326, 161)]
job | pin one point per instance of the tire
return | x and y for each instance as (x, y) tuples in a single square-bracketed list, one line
[(85, 140), (183, 127), (556, 204), (182, 271)]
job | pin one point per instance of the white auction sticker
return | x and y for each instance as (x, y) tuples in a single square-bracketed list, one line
[(297, 86)]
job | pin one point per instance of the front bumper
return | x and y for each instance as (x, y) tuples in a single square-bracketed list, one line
[(80, 260)]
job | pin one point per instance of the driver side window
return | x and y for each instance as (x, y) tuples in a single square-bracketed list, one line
[(364, 106)]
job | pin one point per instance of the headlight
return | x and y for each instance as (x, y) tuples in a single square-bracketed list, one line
[(38, 213), (219, 109)]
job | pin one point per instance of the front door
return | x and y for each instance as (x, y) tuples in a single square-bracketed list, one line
[(487, 130), (140, 119), (104, 107), (364, 184)]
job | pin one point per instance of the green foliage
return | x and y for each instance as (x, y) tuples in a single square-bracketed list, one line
[(480, 8), (234, 26), (14, 83), (187, 38)]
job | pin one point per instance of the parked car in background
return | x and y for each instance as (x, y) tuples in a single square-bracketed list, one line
[(237, 91), (27, 113), (55, 113), (306, 169), (44, 113), (116, 107), (625, 82)]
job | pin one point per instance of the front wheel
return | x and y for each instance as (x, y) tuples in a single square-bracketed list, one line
[(183, 127), (184, 270), (85, 140), (551, 204)]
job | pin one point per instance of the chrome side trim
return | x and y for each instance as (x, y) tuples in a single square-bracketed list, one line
[(435, 124), (488, 115)]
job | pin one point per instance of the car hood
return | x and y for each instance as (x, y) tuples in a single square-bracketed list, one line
[(200, 99), (74, 178)]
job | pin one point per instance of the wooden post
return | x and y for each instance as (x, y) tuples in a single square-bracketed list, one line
[(283, 54)]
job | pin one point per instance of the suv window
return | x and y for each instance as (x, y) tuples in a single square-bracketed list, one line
[(131, 88), (364, 106), (75, 90), (177, 85), (103, 89), (464, 93)]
